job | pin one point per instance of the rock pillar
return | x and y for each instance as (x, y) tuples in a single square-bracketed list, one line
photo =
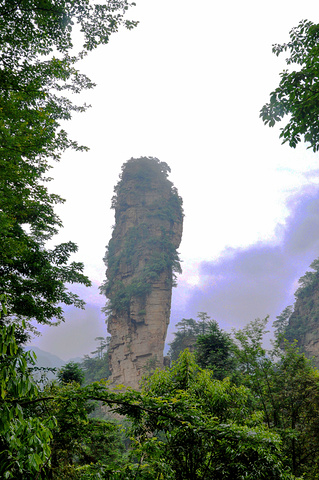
[(141, 264)]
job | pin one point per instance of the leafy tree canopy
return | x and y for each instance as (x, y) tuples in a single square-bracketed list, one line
[(71, 372), (195, 427), (185, 423), (24, 437), (211, 344), (96, 367), (297, 95), (213, 350), (284, 386), (36, 68)]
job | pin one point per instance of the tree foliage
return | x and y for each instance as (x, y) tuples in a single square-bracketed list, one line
[(48, 433), (297, 95), (36, 68), (284, 387), (96, 367), (71, 372), (82, 446), (192, 426), (184, 337), (185, 424), (214, 351), (212, 346), (24, 437)]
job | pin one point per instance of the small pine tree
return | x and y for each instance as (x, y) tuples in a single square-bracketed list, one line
[(71, 372)]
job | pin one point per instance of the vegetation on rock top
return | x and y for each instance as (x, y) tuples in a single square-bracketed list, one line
[(150, 243)]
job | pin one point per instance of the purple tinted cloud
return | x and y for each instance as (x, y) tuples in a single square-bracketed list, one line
[(244, 284)]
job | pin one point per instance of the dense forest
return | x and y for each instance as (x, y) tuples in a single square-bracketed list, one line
[(225, 408)]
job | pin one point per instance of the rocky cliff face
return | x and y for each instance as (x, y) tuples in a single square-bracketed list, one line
[(303, 323), (141, 261)]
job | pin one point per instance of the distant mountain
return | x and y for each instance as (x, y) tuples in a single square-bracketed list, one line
[(46, 359)]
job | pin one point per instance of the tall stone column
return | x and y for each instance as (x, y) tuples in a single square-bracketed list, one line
[(141, 264)]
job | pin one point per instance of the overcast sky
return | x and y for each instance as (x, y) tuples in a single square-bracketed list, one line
[(186, 86)]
